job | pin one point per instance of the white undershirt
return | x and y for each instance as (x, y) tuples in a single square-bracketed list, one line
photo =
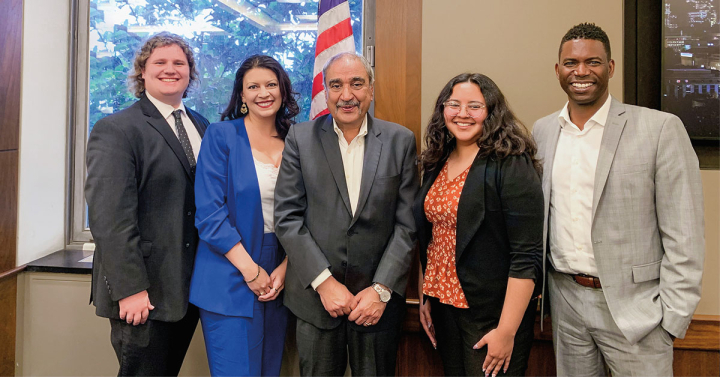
[(167, 110), (267, 177), (352, 158), (571, 194)]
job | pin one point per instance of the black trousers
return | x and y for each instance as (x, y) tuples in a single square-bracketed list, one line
[(325, 352), (457, 332), (156, 348)]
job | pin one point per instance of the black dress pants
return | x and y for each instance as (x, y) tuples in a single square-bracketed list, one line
[(325, 352), (456, 332), (156, 348)]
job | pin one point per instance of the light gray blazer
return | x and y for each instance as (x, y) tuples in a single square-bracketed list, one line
[(315, 224), (648, 227)]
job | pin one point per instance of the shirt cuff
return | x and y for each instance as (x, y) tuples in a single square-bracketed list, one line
[(321, 278)]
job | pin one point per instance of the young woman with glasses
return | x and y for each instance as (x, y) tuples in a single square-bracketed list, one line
[(479, 218)]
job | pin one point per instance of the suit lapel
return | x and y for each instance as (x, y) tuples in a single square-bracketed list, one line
[(198, 125), (611, 137), (156, 120), (329, 141), (548, 160), (244, 166), (419, 207), (373, 148), (471, 207)]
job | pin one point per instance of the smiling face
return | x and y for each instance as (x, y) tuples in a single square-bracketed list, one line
[(584, 71), (348, 92), (167, 74), (467, 124), (261, 93)]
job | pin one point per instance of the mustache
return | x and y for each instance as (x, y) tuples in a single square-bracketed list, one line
[(348, 103)]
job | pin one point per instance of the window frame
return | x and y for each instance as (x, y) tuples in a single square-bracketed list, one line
[(77, 234)]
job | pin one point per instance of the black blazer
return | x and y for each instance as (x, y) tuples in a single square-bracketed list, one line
[(141, 207), (499, 230)]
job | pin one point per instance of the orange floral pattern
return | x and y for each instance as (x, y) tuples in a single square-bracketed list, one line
[(441, 206)]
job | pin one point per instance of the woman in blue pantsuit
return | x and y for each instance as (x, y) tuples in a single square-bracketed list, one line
[(240, 266)]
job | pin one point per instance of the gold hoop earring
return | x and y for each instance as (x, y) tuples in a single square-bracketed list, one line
[(243, 108)]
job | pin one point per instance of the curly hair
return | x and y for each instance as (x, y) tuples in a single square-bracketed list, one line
[(289, 108), (136, 83), (586, 31), (502, 133)]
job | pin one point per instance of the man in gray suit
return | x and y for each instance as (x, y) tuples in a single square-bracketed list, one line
[(623, 221), (343, 214)]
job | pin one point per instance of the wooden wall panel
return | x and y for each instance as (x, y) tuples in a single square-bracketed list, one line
[(696, 363), (8, 302), (416, 356), (10, 69), (398, 62), (10, 50), (8, 208)]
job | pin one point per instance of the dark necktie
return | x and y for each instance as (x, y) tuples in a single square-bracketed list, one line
[(184, 140)]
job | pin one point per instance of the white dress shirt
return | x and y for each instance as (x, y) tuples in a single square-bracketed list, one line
[(571, 194), (352, 158), (167, 110)]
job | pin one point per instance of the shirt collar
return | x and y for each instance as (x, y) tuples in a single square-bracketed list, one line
[(164, 109), (599, 118), (363, 128)]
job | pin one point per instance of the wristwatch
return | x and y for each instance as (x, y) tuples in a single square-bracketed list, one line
[(384, 293)]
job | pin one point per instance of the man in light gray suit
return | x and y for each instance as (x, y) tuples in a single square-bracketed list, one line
[(343, 214), (623, 221)]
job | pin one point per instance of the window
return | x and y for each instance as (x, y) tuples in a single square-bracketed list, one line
[(222, 34)]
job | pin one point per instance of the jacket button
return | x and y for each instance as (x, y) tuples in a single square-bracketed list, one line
[(344, 264), (189, 213), (187, 244)]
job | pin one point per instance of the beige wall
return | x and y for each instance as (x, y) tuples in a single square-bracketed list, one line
[(515, 42)]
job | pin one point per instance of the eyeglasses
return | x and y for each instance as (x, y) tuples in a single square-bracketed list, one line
[(473, 109)]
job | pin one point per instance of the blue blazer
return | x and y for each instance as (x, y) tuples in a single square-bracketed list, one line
[(229, 211)]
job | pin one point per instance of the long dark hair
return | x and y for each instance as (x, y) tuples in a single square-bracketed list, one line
[(502, 133), (288, 110)]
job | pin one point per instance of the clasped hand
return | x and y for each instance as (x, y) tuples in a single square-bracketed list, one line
[(365, 308), (268, 287)]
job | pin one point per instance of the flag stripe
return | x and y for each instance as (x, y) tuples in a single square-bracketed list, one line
[(317, 86), (346, 45), (318, 105), (333, 16), (332, 35)]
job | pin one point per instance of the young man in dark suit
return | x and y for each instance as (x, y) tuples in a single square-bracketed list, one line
[(141, 204)]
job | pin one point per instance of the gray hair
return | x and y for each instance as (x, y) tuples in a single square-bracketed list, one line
[(350, 55)]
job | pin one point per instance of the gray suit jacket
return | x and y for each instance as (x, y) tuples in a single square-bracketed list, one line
[(315, 225), (647, 228)]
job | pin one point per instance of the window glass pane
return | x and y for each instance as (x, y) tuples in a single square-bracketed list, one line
[(691, 65), (222, 33)]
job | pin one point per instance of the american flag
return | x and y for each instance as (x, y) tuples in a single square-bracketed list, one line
[(334, 36)]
